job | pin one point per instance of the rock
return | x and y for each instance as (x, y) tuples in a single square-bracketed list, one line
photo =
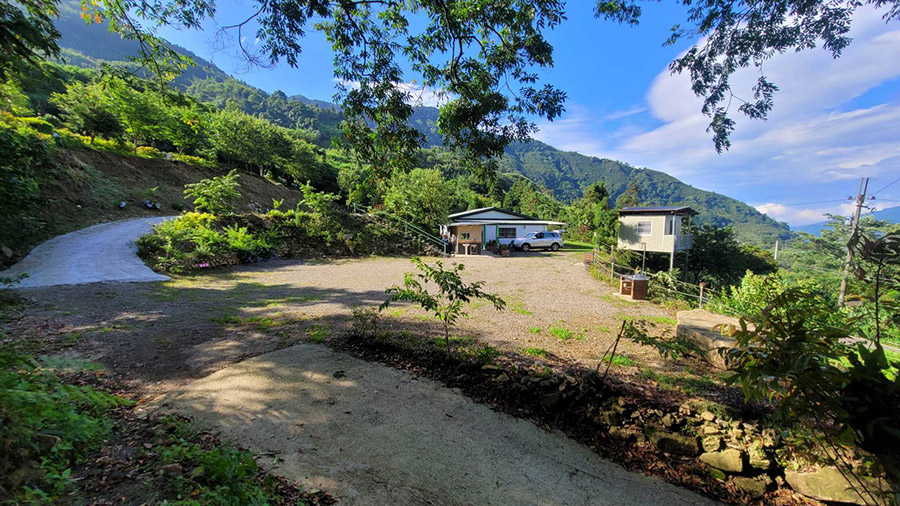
[(758, 461), (737, 434), (712, 443), (708, 416), (503, 378), (715, 473), (490, 368), (171, 470), (7, 252), (669, 421), (705, 329), (685, 408), (674, 444), (828, 484), (627, 434), (46, 442), (770, 438), (708, 430), (756, 487), (550, 400), (730, 460), (611, 418)]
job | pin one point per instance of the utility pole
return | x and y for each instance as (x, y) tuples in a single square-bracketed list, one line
[(860, 200), (776, 250)]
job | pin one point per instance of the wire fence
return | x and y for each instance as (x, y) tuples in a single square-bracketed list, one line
[(695, 295)]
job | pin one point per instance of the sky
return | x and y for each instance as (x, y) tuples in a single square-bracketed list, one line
[(834, 120)]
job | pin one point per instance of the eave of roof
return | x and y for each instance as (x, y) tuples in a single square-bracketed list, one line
[(502, 222), (492, 208), (678, 210)]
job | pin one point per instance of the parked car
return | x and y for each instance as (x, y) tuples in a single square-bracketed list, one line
[(548, 240)]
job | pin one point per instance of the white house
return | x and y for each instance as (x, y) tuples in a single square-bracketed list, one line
[(655, 229), (469, 231)]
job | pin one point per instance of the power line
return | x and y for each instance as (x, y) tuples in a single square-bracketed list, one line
[(816, 202), (888, 186)]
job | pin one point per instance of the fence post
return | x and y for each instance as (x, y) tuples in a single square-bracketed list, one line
[(702, 286), (612, 262)]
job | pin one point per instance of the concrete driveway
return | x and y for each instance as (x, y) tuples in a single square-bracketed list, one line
[(104, 252), (373, 435)]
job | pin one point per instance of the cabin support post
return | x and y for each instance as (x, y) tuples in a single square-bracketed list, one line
[(672, 261)]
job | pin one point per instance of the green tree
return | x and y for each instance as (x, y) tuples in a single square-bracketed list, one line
[(631, 197), (87, 109), (421, 197), (143, 112), (27, 34), (215, 195), (718, 259), (451, 297)]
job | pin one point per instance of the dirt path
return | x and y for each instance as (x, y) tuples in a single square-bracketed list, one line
[(104, 252), (373, 435)]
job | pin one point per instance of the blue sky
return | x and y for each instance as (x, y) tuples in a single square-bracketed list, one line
[(834, 120)]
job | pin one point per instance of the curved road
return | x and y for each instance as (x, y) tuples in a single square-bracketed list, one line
[(105, 252)]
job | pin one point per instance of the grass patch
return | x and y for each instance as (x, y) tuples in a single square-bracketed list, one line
[(663, 320), (603, 328), (317, 333), (535, 352), (484, 354), (687, 383), (561, 333), (564, 334), (519, 308), (534, 330), (621, 361)]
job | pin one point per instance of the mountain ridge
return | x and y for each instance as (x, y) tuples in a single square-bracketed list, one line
[(565, 174)]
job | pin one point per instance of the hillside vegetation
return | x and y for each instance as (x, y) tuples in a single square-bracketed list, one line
[(565, 175)]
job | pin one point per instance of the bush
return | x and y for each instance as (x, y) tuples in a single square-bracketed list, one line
[(216, 195), (50, 424), (199, 240)]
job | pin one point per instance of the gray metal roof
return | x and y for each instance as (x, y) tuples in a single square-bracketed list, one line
[(658, 210)]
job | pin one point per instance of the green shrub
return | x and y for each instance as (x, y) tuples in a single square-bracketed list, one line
[(149, 152), (216, 195), (52, 424)]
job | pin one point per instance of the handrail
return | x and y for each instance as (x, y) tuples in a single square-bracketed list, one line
[(407, 226)]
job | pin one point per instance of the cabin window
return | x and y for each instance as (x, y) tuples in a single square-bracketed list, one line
[(465, 235), (671, 228), (644, 227), (507, 232)]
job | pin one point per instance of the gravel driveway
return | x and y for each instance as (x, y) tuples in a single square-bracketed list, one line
[(373, 435)]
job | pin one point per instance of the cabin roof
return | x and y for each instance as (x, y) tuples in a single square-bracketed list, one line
[(472, 212), (675, 210)]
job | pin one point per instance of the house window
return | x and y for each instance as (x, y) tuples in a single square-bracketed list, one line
[(507, 232), (644, 227), (671, 227), (465, 235)]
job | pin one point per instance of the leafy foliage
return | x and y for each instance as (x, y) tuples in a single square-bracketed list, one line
[(46, 425), (216, 195), (448, 303), (27, 34), (823, 376)]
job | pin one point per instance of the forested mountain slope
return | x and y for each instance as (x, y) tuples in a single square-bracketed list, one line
[(565, 174)]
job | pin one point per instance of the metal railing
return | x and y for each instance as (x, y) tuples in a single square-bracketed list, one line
[(403, 225)]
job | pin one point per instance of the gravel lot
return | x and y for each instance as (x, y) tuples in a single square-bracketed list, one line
[(164, 335)]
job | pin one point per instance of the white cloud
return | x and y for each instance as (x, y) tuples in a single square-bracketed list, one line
[(802, 216), (815, 134), (418, 95)]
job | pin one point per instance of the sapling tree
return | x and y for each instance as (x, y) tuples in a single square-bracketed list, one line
[(452, 293)]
